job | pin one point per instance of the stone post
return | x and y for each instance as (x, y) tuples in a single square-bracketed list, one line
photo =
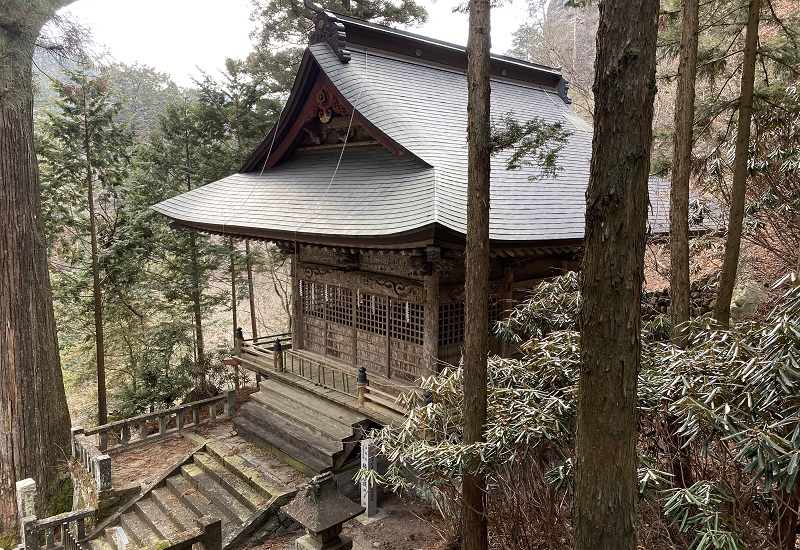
[(73, 438), (30, 533), (230, 403), (26, 503), (103, 472), (212, 531), (369, 491)]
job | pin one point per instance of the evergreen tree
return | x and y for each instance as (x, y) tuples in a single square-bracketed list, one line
[(187, 151), (85, 160)]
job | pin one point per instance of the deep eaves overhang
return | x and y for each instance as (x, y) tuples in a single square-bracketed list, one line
[(433, 234)]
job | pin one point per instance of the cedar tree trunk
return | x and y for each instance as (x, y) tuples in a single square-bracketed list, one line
[(679, 213), (476, 340), (616, 215), (722, 311), (681, 170), (34, 419), (97, 292)]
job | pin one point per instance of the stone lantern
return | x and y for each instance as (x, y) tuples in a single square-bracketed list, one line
[(322, 509)]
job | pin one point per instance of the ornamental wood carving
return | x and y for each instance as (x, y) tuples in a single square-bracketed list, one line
[(324, 105), (391, 287), (338, 258), (328, 29), (394, 264)]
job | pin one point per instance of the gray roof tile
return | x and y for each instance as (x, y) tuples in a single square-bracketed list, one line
[(422, 108)]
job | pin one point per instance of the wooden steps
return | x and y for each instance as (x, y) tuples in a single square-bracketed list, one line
[(304, 428), (214, 481)]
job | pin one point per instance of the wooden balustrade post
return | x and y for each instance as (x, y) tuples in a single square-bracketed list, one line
[(50, 538), (102, 438), (74, 433), (362, 385), (195, 416), (126, 434), (212, 411), (163, 420), (80, 529), (277, 356), (180, 416)]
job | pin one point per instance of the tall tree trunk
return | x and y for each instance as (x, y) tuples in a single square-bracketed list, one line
[(476, 341), (616, 215), (97, 293), (722, 311), (679, 212), (681, 171), (34, 419), (197, 310)]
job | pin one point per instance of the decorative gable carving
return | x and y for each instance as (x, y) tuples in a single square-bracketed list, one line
[(328, 29), (325, 104)]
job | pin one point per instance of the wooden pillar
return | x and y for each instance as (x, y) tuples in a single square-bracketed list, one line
[(430, 335), (354, 311), (297, 305)]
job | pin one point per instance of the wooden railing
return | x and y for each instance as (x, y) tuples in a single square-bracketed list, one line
[(89, 446), (264, 358), (308, 366)]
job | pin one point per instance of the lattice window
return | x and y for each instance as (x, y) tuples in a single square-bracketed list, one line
[(313, 299), (339, 302), (407, 321), (371, 313), (451, 324)]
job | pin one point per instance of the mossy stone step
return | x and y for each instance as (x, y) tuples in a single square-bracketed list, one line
[(137, 530), (156, 519), (238, 487), (228, 503), (196, 501), (174, 508), (260, 481)]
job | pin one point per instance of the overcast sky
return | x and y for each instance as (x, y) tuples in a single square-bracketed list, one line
[(177, 36)]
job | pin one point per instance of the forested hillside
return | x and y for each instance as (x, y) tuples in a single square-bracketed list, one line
[(145, 313)]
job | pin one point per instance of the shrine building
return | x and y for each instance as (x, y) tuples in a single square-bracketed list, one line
[(362, 182)]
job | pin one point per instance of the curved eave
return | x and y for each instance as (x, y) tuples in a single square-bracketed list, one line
[(430, 234)]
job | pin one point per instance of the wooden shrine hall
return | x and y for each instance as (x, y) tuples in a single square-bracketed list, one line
[(363, 183)]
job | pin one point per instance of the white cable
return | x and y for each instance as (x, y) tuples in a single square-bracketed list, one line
[(341, 153)]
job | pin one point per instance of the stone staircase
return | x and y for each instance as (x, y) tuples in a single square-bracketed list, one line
[(214, 480), (301, 426)]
